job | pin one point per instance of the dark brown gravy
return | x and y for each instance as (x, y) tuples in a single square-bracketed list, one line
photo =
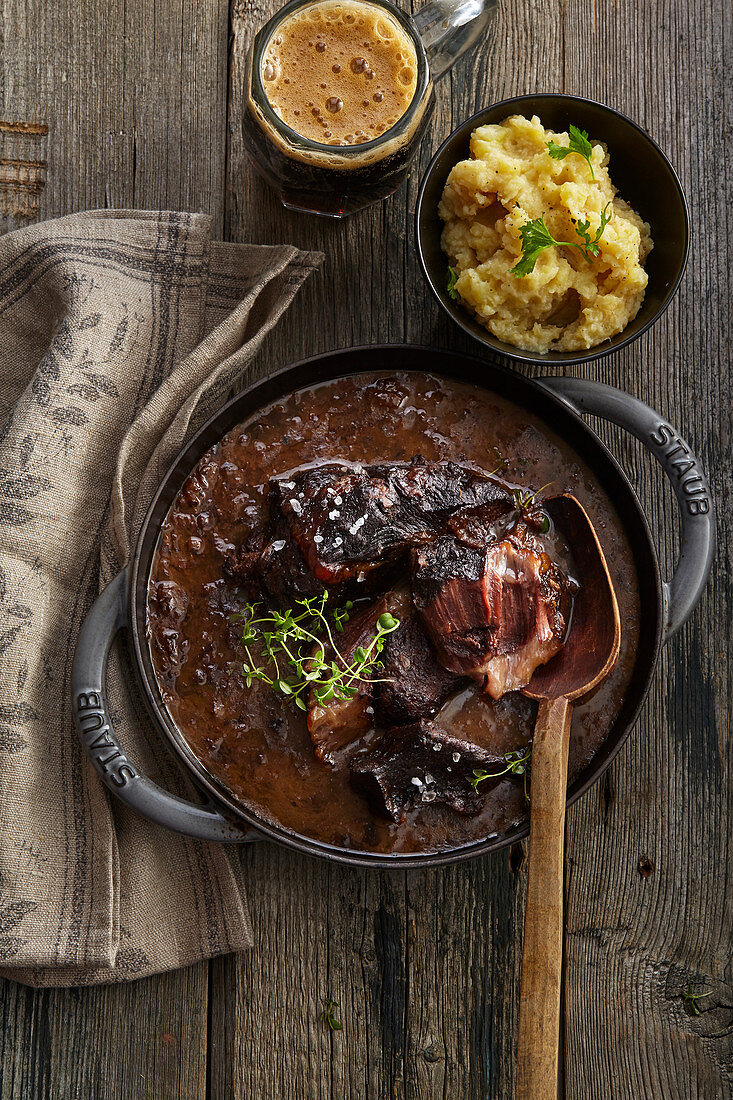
[(257, 747)]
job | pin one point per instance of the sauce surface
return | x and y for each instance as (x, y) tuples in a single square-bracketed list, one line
[(258, 747)]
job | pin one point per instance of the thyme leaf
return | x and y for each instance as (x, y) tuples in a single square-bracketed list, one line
[(328, 1013)]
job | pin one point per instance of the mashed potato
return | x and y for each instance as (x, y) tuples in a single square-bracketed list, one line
[(566, 303)]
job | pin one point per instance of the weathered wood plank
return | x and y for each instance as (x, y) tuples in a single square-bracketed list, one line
[(647, 916), (144, 1039), (266, 1036), (134, 94), (340, 933), (421, 1014)]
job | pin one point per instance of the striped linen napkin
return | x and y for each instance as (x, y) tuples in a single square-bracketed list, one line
[(120, 331)]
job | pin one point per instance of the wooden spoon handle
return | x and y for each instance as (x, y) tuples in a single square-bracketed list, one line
[(539, 1006)]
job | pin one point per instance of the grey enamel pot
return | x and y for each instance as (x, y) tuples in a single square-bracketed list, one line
[(558, 401)]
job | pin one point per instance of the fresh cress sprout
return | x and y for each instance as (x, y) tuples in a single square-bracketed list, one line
[(690, 1001), (297, 651), (524, 499), (536, 237), (578, 143), (517, 762)]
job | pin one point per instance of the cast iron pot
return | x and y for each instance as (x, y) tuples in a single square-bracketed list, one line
[(557, 401)]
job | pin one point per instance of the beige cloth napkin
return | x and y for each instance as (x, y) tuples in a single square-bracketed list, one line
[(119, 333)]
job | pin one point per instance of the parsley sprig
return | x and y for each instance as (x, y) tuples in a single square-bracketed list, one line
[(517, 762), (536, 237), (578, 143), (582, 228), (297, 651), (451, 285)]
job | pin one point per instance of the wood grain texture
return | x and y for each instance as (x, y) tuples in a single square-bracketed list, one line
[(637, 938), (144, 103), (538, 1042), (145, 1040), (134, 94)]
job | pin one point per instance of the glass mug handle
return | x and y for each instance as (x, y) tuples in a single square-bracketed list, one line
[(448, 28)]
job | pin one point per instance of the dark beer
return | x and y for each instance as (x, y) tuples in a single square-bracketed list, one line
[(339, 97)]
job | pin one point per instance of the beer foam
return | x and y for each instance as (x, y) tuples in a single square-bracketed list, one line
[(340, 72)]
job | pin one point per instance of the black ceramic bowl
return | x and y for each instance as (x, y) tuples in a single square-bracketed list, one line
[(639, 170)]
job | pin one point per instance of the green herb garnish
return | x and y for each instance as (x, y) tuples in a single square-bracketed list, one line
[(327, 1013), (536, 237), (691, 999), (297, 651), (578, 143), (526, 499), (451, 285), (583, 230), (517, 762)]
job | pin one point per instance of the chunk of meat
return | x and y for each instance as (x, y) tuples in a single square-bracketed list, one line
[(271, 561), (526, 590), (339, 723), (348, 521), (448, 588), (493, 614), (242, 563), (415, 765), (414, 684), (336, 724), (478, 527)]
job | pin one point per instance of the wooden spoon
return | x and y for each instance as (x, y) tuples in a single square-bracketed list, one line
[(589, 654)]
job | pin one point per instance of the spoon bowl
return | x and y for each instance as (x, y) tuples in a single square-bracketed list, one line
[(594, 636)]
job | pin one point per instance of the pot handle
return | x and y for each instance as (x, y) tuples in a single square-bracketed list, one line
[(697, 517), (94, 727)]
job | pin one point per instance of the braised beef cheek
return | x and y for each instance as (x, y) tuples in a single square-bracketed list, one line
[(340, 722), (345, 527), (421, 764), (413, 682), (259, 519), (493, 613)]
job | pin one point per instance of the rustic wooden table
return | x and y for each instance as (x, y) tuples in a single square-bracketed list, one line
[(143, 104)]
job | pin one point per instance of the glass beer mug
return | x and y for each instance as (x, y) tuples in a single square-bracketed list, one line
[(352, 152)]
